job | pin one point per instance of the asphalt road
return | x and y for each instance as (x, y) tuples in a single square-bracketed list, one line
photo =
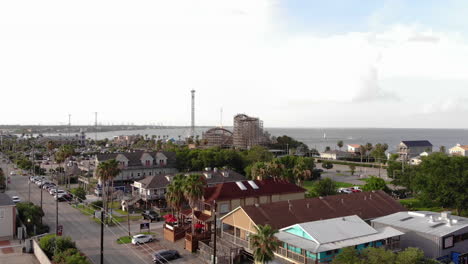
[(81, 228)]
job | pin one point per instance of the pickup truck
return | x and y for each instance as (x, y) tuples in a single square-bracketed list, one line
[(150, 215)]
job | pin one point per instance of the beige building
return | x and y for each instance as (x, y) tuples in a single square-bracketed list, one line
[(459, 150), (7, 217), (138, 165), (241, 222)]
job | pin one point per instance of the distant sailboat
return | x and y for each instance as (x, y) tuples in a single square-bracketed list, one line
[(325, 136)]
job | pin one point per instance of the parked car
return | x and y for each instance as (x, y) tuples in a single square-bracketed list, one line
[(16, 199), (151, 215), (141, 239), (345, 190), (162, 256)]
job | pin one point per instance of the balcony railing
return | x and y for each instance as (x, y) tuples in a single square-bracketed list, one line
[(236, 240), (152, 196), (292, 255)]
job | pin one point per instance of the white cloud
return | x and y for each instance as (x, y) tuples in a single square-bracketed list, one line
[(137, 62)]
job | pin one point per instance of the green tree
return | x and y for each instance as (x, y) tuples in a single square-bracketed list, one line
[(193, 191), (340, 144), (2, 180), (352, 169), (79, 193), (258, 153), (30, 214), (62, 244), (444, 180), (378, 256), (347, 255), (442, 149), (374, 184), (410, 256), (327, 148), (264, 243), (325, 187)]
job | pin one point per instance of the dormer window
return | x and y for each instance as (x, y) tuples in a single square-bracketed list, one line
[(147, 163), (161, 162)]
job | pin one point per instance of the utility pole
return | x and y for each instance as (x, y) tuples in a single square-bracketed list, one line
[(95, 127), (214, 238), (56, 208), (102, 237)]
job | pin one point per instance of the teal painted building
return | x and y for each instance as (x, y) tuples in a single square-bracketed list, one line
[(321, 241)]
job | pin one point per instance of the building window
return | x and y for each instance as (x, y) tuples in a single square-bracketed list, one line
[(149, 173), (224, 208), (448, 242), (366, 244), (148, 163), (328, 253), (138, 174), (2, 213), (144, 174)]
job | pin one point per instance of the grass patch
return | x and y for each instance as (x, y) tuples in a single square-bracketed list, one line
[(84, 209), (415, 204), (124, 218)]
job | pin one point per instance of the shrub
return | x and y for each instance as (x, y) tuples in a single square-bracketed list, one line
[(79, 193), (70, 256), (97, 204), (47, 244), (62, 244)]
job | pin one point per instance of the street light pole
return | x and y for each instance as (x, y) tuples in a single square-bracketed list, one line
[(102, 237), (214, 238)]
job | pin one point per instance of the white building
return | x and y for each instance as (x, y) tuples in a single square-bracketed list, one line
[(7, 217), (439, 235), (354, 148), (335, 154), (459, 150)]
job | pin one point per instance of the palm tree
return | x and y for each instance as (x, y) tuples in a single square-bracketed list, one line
[(340, 144), (175, 193), (275, 169), (264, 243), (301, 172), (107, 171), (193, 191), (259, 171)]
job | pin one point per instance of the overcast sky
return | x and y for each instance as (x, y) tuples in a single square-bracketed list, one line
[(294, 63)]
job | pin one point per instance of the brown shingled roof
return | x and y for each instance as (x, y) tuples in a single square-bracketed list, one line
[(367, 205), (230, 190)]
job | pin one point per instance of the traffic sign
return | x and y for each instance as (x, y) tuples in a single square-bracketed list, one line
[(60, 230), (144, 226)]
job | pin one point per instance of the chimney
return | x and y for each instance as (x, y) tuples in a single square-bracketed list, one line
[(257, 205), (365, 197), (446, 215), (370, 196), (308, 205), (290, 207), (342, 200), (215, 169), (431, 219)]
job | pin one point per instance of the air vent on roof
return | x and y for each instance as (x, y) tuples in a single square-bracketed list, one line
[(253, 184), (241, 186), (437, 225), (406, 218)]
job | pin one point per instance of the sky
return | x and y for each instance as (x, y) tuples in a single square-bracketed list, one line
[(295, 63)]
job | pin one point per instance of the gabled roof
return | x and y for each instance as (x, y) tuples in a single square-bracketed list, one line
[(134, 158), (161, 180), (243, 189), (335, 229), (366, 205), (354, 145), (5, 200), (417, 143), (346, 239)]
